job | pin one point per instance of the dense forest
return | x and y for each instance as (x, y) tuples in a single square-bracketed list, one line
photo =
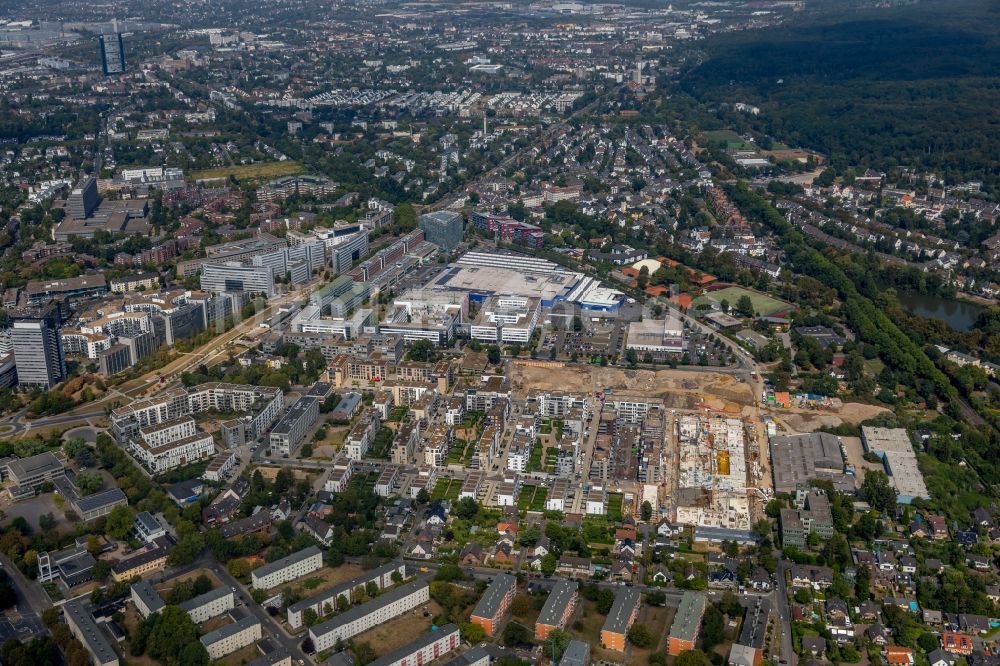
[(910, 86)]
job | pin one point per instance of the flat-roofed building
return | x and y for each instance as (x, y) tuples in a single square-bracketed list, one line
[(288, 433), (361, 618), (684, 630), (507, 319), (212, 603), (82, 625), (287, 568), (159, 458), (577, 653), (33, 471), (99, 504), (623, 614), (494, 603), (232, 637), (147, 528), (557, 609), (798, 459)]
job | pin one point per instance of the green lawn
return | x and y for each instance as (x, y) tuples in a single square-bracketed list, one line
[(443, 489), (551, 455), (538, 501), (535, 459), (763, 305), (457, 454), (615, 506), (525, 498)]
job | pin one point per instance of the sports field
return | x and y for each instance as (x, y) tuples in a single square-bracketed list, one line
[(763, 304)]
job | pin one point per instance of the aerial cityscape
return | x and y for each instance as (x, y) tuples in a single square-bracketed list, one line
[(500, 333)]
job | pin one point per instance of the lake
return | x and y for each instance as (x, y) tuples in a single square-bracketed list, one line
[(960, 315)]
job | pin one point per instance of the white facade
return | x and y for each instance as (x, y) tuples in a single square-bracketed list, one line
[(362, 618), (174, 454), (287, 568), (169, 431), (209, 605), (509, 319), (232, 637)]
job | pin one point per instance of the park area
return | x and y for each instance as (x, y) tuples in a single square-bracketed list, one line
[(763, 305), (250, 171)]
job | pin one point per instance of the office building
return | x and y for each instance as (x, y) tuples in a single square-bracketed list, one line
[(99, 504), (288, 433), (33, 471), (112, 53), (232, 637), (494, 603), (113, 360), (38, 350), (348, 251), (506, 319), (624, 612), (82, 625), (287, 568), (232, 276), (211, 604), (425, 650), (684, 630), (557, 609), (359, 619), (443, 228), (83, 199)]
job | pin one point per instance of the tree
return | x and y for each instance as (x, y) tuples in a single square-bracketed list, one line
[(472, 633), (120, 522), (422, 350), (46, 522), (364, 653), (549, 564), (466, 508), (713, 627), (878, 492), (194, 654), (656, 598), (515, 634), (89, 482), (522, 605), (640, 636), (310, 617), (493, 354), (646, 511), (556, 644), (423, 497), (692, 658), (745, 306)]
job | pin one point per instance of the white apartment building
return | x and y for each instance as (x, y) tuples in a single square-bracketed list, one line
[(519, 454), (340, 476), (361, 618), (439, 440), (163, 457), (211, 604), (287, 568), (232, 637), (508, 319), (325, 602), (169, 431), (360, 438)]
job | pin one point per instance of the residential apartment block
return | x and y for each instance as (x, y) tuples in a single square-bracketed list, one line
[(494, 603)]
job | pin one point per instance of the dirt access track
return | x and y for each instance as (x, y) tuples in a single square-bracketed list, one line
[(679, 389)]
